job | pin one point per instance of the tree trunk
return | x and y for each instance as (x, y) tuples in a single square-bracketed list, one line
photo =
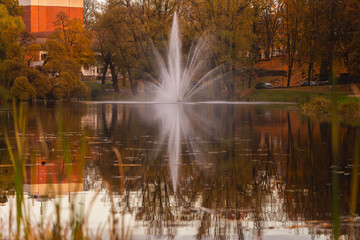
[(114, 77), (124, 78), (230, 83), (289, 75), (331, 63), (132, 85), (103, 77), (268, 46), (310, 71), (251, 67)]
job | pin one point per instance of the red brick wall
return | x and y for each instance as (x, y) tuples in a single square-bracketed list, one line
[(41, 18)]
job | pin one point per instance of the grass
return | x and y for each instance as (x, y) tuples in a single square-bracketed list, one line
[(281, 95)]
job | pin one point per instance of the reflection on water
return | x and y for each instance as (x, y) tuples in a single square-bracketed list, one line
[(238, 171)]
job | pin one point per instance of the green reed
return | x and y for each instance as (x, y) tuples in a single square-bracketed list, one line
[(18, 158)]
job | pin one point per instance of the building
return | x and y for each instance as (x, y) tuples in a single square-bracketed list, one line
[(40, 14)]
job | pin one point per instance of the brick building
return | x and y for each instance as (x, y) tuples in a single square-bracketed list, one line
[(40, 14)]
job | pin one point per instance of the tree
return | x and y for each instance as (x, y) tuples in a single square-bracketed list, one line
[(227, 25), (39, 81), (13, 7), (127, 32), (22, 89), (69, 47), (350, 37), (269, 23), (10, 69), (11, 28), (90, 9), (106, 51), (67, 85), (308, 45), (291, 21)]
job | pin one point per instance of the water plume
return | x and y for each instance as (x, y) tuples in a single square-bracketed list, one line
[(176, 83)]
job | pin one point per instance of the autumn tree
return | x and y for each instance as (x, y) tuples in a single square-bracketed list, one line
[(68, 48), (350, 37), (89, 12), (308, 50), (228, 27), (269, 23), (13, 7), (105, 49), (10, 32), (290, 15), (22, 89), (127, 31)]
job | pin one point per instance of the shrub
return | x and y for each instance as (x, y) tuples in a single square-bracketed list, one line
[(349, 108), (318, 104), (22, 89)]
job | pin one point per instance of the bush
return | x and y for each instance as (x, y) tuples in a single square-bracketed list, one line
[(22, 89), (349, 108), (318, 104)]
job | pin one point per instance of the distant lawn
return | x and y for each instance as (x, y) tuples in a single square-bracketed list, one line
[(281, 95), (296, 94)]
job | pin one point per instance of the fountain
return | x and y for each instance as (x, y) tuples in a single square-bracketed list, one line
[(175, 82)]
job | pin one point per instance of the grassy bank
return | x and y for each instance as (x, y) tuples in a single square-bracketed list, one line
[(347, 109), (293, 94), (280, 95)]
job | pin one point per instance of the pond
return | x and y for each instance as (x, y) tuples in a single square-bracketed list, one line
[(183, 171)]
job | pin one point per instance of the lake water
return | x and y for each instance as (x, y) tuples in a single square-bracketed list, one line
[(184, 171)]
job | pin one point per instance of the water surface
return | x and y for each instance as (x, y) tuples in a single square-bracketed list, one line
[(204, 171)]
